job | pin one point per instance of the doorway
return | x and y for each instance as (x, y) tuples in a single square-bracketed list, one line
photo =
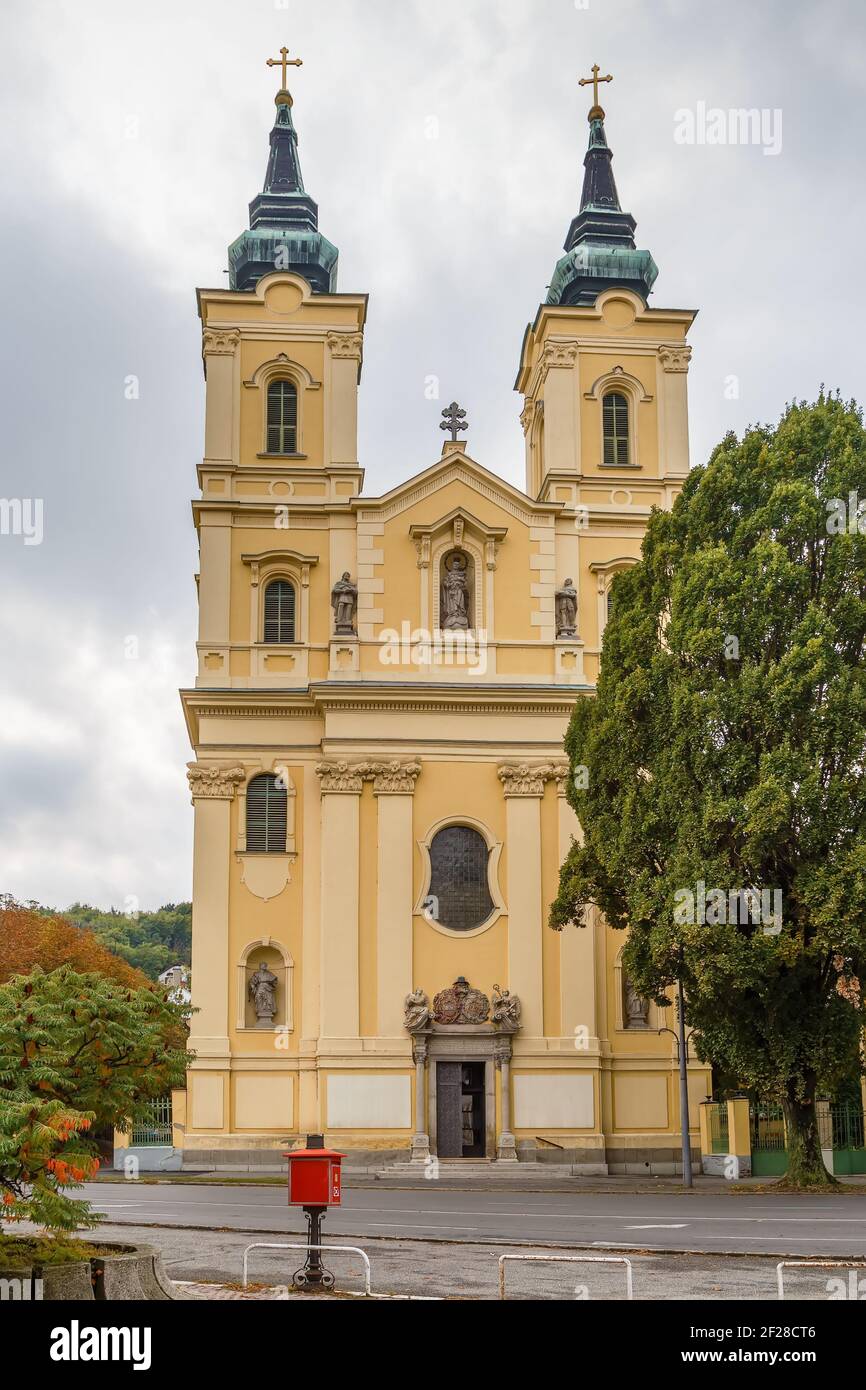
[(460, 1110)]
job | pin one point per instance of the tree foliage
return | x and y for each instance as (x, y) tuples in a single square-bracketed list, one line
[(147, 941), (28, 938), (77, 1051), (727, 748)]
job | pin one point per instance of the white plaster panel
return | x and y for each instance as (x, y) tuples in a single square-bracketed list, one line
[(369, 1102), (553, 1102)]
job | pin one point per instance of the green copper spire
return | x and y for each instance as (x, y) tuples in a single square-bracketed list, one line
[(600, 247), (284, 220)]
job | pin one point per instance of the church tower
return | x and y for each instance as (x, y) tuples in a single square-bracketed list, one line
[(384, 683), (603, 376)]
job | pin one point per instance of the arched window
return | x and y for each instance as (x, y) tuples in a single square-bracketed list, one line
[(267, 806), (282, 418), (459, 896), (279, 611), (615, 428)]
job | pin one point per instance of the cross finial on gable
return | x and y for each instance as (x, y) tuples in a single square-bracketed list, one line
[(455, 419)]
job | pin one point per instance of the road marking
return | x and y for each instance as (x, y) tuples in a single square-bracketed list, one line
[(670, 1226)]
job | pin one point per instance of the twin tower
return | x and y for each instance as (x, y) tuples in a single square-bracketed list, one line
[(384, 683)]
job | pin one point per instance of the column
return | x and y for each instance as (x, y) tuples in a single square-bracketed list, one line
[(213, 790), (506, 1148), (420, 1139), (524, 787), (341, 788), (393, 787)]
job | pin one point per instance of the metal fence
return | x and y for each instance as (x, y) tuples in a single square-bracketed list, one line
[(155, 1126), (718, 1120)]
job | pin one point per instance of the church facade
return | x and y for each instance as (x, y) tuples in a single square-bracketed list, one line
[(384, 683)]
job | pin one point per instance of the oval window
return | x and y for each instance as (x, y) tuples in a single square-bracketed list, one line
[(459, 896)]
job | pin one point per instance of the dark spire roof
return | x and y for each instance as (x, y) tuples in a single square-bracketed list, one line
[(600, 247), (284, 220)]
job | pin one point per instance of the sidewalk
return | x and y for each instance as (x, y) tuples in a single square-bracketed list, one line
[(528, 1177)]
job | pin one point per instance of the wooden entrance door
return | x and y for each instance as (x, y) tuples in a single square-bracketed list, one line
[(460, 1110)]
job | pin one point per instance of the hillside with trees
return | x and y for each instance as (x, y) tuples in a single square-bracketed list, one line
[(147, 941)]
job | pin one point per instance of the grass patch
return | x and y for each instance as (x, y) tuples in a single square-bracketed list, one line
[(24, 1252)]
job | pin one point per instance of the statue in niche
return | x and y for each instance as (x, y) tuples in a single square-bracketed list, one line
[(344, 601), (454, 595), (636, 1007), (416, 1010), (566, 610), (263, 993)]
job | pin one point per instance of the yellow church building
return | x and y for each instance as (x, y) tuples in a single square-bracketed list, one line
[(384, 683)]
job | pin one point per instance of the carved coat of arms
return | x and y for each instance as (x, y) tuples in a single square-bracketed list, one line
[(460, 1003)]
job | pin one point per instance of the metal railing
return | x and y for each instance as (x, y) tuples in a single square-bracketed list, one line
[(155, 1127), (812, 1264), (840, 1126), (567, 1259), (718, 1121)]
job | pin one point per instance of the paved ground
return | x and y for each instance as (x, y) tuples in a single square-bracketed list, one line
[(469, 1270), (727, 1222)]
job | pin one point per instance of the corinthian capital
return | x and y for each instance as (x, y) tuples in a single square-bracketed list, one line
[(341, 776), (675, 359), (394, 776), (213, 783), (558, 354), (346, 344), (220, 343), (526, 779)]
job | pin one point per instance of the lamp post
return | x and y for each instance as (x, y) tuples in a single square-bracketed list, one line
[(683, 1058)]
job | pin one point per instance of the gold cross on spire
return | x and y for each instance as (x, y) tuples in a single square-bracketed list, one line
[(594, 80), (284, 62)]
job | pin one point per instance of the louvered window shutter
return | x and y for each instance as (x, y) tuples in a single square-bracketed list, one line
[(266, 816), (280, 612), (615, 427), (282, 418)]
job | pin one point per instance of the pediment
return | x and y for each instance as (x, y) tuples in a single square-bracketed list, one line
[(456, 466)]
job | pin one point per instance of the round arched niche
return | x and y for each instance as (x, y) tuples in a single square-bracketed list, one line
[(274, 958), (457, 591)]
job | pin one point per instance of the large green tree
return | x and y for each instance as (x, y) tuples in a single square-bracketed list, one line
[(726, 750), (77, 1051)]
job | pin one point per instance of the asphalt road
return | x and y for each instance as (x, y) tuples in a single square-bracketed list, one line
[(725, 1223)]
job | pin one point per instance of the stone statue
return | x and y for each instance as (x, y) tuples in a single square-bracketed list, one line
[(263, 992), (416, 1011), (454, 598), (344, 601), (506, 1008), (566, 610), (636, 1008)]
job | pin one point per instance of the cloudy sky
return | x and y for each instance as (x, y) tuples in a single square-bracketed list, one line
[(443, 140)]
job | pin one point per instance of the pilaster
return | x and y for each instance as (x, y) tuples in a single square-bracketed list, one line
[(393, 787), (341, 787), (213, 790)]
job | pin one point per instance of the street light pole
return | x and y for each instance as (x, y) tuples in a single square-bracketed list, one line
[(684, 1088)]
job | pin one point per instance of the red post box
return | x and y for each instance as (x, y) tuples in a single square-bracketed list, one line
[(314, 1184), (314, 1177)]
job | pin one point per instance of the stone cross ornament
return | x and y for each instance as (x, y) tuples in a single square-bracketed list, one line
[(455, 419)]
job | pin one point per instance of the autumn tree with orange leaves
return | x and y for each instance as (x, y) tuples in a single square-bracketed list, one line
[(78, 1050), (29, 938)]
